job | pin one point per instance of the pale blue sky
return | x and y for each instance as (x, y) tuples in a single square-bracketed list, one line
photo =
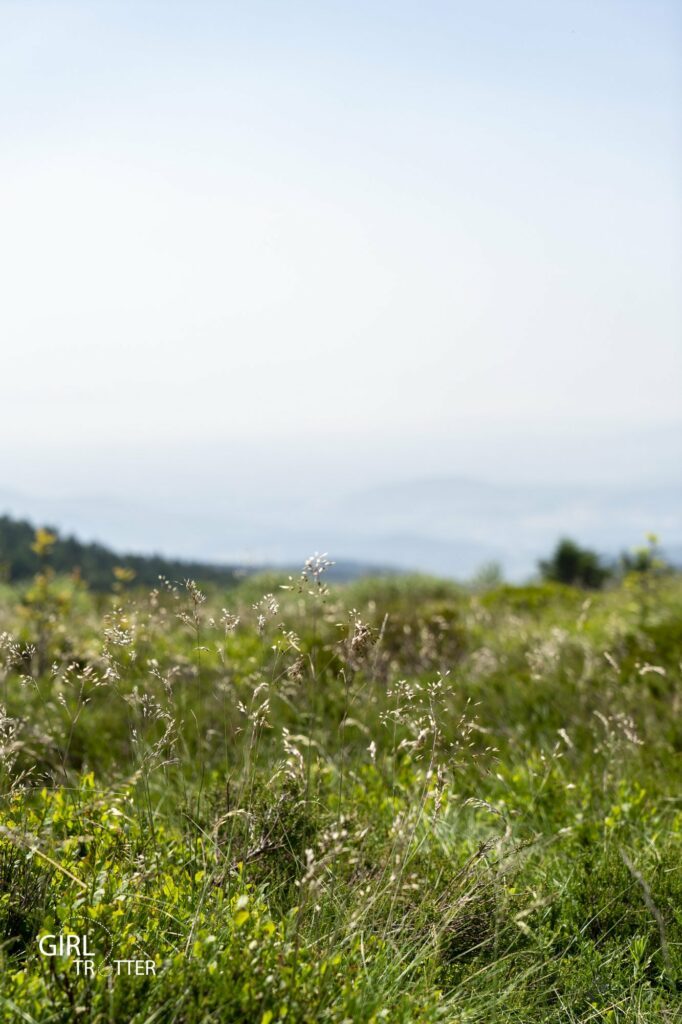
[(394, 237)]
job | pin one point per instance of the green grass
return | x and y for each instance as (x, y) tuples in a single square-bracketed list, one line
[(393, 801)]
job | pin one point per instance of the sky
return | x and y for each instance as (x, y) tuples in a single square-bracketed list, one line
[(268, 247)]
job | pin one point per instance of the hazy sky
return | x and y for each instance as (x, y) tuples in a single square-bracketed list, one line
[(234, 236)]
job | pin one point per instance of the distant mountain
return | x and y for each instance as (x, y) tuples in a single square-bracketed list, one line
[(448, 526), (468, 521), (96, 564)]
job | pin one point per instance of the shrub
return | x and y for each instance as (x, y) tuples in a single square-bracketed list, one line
[(579, 567)]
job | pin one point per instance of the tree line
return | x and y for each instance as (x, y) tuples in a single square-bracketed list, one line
[(25, 551)]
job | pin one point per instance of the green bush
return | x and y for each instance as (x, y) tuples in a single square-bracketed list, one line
[(576, 566)]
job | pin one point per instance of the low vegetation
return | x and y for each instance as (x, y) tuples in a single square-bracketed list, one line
[(397, 800)]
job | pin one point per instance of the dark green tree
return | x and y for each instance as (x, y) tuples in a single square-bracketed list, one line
[(579, 567)]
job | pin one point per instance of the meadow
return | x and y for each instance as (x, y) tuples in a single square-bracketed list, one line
[(396, 800)]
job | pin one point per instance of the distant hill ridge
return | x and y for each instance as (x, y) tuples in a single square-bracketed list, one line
[(96, 563)]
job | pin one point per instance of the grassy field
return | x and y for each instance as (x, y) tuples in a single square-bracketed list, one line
[(395, 801)]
